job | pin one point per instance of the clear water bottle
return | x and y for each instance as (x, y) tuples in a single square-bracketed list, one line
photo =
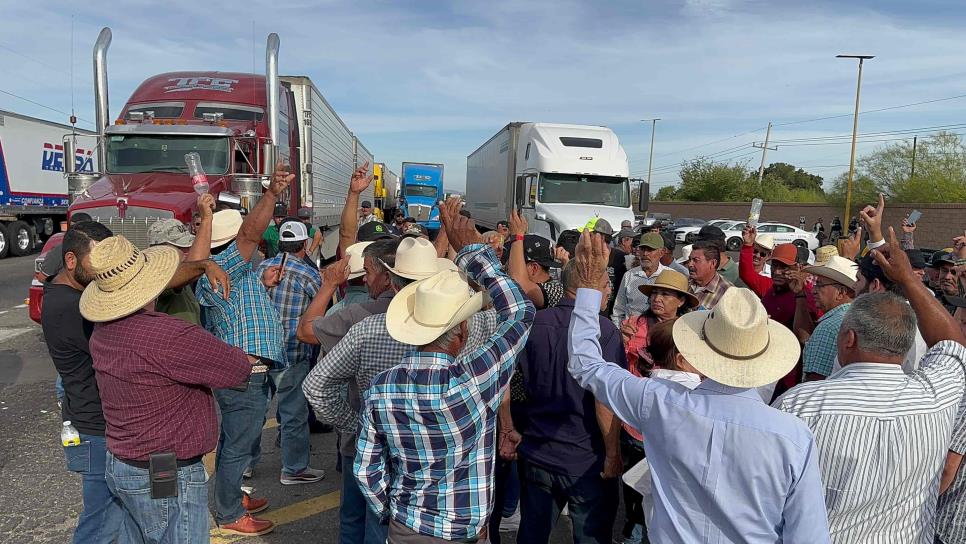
[(755, 212), (199, 180), (69, 435)]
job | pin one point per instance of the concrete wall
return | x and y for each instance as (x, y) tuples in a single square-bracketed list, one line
[(939, 224)]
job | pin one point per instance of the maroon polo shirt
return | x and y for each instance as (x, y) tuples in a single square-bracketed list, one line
[(155, 374)]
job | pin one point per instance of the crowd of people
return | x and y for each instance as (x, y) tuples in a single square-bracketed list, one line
[(485, 383)]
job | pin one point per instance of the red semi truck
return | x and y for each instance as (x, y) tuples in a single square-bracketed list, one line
[(239, 124)]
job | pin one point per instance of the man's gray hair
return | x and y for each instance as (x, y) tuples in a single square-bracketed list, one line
[(382, 250), (398, 281), (568, 276), (884, 323), (448, 336)]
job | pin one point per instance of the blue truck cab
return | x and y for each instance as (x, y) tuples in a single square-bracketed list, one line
[(421, 190)]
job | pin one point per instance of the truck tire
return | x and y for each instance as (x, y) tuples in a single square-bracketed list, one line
[(20, 238), (4, 241)]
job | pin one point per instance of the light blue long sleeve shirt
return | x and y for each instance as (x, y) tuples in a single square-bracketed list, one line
[(725, 467)]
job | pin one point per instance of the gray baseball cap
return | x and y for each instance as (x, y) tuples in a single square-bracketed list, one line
[(170, 231)]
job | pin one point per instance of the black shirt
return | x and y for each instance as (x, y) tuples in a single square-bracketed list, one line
[(616, 269), (67, 335)]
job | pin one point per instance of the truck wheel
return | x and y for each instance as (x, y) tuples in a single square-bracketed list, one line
[(4, 241), (20, 239)]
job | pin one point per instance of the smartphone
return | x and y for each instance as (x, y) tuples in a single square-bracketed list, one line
[(281, 267), (914, 216)]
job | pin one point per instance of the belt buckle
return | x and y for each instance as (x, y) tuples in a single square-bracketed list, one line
[(259, 368)]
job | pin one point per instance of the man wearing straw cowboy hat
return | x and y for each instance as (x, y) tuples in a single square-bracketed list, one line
[(427, 441), (882, 434), (246, 319), (834, 291), (155, 374), (725, 467)]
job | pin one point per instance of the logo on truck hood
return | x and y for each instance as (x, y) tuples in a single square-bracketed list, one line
[(200, 84)]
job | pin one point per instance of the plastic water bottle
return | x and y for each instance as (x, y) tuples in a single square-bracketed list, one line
[(755, 212), (199, 180), (69, 435)]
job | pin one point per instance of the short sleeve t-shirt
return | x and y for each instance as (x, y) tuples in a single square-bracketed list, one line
[(552, 293), (68, 335), (180, 303), (53, 261)]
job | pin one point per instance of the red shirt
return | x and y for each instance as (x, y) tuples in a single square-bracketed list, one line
[(779, 305), (636, 351), (155, 374)]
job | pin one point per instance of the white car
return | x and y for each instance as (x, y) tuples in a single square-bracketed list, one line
[(784, 234), (686, 234)]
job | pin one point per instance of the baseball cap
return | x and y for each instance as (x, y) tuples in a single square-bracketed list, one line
[(710, 233), (170, 231), (600, 226), (652, 240), (538, 249), (916, 259), (416, 230), (305, 213), (785, 253), (871, 270), (281, 210), (366, 204), (372, 231), (669, 242), (942, 256), (293, 231), (626, 233)]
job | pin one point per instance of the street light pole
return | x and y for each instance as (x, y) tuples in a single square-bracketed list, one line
[(650, 157), (855, 130)]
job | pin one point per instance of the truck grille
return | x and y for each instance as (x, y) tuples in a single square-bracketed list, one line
[(420, 212), (134, 229)]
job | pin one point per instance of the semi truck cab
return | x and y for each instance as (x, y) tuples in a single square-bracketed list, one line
[(422, 189)]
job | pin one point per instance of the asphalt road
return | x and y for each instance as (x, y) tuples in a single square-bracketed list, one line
[(40, 499)]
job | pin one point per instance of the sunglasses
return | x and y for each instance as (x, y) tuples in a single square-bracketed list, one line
[(762, 253)]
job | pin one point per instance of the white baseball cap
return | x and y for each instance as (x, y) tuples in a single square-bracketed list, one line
[(293, 231)]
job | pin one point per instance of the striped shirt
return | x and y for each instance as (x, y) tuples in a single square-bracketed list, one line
[(822, 347), (709, 295), (630, 301), (882, 437), (951, 516), (426, 446)]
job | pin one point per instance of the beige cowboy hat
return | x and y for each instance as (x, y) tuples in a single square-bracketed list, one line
[(685, 254), (416, 260), (837, 269), (736, 343), (224, 227), (356, 261), (125, 278), (422, 311), (824, 253), (673, 281), (766, 241)]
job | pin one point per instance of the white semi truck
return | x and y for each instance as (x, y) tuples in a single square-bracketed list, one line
[(33, 191), (559, 176)]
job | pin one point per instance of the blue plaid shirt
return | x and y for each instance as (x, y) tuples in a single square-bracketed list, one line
[(300, 283), (248, 319), (821, 349), (427, 441)]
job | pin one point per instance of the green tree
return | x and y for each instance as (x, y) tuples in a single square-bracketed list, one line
[(794, 178), (705, 180), (864, 191), (668, 192), (940, 169)]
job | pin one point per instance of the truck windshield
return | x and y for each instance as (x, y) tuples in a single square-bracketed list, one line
[(128, 154), (580, 189), (421, 190)]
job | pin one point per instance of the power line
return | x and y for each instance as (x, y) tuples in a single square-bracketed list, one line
[(873, 111), (43, 105), (879, 133)]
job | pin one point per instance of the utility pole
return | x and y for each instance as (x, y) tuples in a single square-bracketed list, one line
[(650, 157), (912, 174), (855, 131), (764, 151)]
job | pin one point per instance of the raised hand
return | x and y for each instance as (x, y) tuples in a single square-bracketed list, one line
[(748, 235), (336, 273), (518, 223), (908, 227), (361, 179), (590, 261), (561, 255), (851, 245), (894, 261), (281, 179), (796, 279), (206, 205), (872, 218), (460, 230)]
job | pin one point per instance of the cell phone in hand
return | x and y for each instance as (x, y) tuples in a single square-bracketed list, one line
[(281, 267), (914, 216)]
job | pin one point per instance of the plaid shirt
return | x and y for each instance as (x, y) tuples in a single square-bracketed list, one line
[(427, 443), (247, 320), (365, 352), (299, 285), (821, 349), (709, 295)]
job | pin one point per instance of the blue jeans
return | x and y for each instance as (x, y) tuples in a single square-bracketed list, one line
[(175, 520), (293, 414), (242, 417), (103, 516), (592, 502), (59, 388), (512, 498), (357, 522)]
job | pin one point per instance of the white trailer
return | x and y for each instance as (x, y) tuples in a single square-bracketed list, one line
[(559, 176), (360, 154), (327, 158), (33, 190)]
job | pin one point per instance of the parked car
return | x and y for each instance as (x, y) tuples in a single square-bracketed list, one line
[(787, 234), (733, 237), (686, 235), (683, 223), (659, 220)]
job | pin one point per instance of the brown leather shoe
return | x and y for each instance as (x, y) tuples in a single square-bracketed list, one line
[(249, 526), (253, 505)]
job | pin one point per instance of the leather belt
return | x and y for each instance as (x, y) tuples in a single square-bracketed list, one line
[(147, 465)]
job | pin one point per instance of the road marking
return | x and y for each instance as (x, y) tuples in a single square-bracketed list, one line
[(286, 514), (7, 334), (19, 306)]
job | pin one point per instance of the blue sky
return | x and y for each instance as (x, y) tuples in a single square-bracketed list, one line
[(431, 81)]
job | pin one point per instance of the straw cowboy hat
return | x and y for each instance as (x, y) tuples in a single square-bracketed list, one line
[(736, 343), (422, 311), (416, 260), (356, 261), (125, 278), (224, 227), (673, 281), (824, 253), (837, 269)]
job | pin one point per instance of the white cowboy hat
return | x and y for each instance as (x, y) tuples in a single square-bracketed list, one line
[(416, 260), (837, 269), (224, 227), (422, 311), (125, 278), (356, 261), (685, 254), (766, 241), (736, 343)]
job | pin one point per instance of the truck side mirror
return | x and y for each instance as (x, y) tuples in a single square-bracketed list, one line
[(644, 197)]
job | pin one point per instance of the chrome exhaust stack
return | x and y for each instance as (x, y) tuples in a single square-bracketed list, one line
[(271, 97), (102, 116)]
